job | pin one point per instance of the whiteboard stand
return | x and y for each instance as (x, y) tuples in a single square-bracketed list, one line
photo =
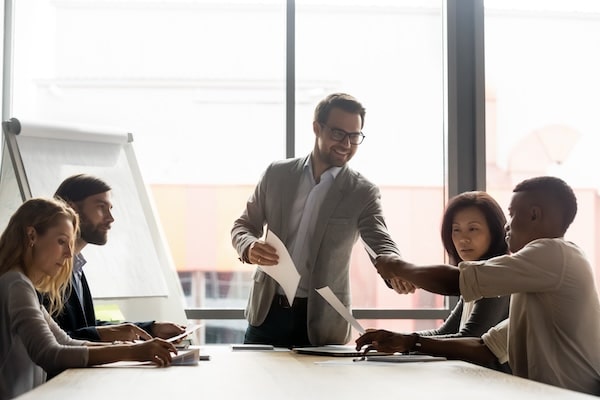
[(134, 269)]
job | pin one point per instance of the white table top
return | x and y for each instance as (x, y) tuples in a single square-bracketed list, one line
[(281, 374)]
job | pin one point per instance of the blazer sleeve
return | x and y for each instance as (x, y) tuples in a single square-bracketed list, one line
[(372, 227), (88, 333), (249, 226), (147, 326)]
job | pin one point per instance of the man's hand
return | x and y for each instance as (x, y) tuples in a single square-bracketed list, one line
[(402, 287), (386, 341), (166, 330), (390, 266), (261, 253), (122, 332)]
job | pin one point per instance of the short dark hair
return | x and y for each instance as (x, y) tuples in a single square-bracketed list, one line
[(339, 100), (553, 191), (494, 217), (79, 187)]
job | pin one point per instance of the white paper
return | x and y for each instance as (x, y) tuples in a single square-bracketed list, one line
[(369, 250), (188, 330), (340, 308), (284, 272), (186, 357)]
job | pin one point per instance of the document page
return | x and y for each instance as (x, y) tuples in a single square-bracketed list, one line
[(188, 330), (285, 272), (332, 299)]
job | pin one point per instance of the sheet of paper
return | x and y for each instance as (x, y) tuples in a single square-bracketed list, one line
[(285, 272), (339, 307), (369, 250), (188, 330), (187, 357)]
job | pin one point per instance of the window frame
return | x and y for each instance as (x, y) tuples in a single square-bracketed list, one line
[(464, 120)]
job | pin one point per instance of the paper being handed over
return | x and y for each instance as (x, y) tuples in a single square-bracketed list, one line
[(188, 330), (284, 272), (332, 299)]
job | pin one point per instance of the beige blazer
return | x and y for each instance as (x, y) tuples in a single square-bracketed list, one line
[(351, 208)]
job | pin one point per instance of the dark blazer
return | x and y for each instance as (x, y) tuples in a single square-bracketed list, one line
[(351, 208), (82, 325)]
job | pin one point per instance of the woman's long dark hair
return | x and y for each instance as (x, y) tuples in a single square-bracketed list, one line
[(493, 214)]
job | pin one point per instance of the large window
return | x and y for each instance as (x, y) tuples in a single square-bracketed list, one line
[(201, 84), (542, 102), (389, 55)]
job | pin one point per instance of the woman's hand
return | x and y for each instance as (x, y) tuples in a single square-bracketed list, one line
[(157, 350)]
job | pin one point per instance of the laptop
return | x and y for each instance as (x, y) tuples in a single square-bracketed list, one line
[(402, 358), (333, 351)]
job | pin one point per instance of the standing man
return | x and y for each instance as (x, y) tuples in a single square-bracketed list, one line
[(318, 207), (90, 197)]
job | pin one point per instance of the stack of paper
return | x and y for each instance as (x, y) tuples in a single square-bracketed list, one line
[(190, 356)]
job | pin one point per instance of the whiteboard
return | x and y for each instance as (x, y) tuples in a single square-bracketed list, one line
[(134, 260)]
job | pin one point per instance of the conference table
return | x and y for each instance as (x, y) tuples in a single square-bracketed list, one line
[(283, 374)]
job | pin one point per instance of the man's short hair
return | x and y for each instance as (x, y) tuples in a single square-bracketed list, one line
[(79, 187), (556, 192), (339, 100)]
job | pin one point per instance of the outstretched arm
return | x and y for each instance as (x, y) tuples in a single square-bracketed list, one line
[(440, 279)]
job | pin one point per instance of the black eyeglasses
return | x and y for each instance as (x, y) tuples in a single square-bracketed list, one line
[(339, 135)]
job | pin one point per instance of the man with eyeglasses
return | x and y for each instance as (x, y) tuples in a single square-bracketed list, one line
[(318, 207)]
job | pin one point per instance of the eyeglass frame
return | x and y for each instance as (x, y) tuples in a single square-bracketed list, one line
[(348, 135)]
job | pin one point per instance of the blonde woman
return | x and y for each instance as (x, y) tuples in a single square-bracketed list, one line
[(36, 252)]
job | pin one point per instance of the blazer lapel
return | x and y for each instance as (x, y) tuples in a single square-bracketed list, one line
[(89, 312)]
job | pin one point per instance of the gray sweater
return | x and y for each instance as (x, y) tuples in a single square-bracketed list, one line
[(30, 341), (487, 312)]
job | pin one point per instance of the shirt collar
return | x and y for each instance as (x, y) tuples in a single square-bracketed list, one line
[(333, 171), (78, 263)]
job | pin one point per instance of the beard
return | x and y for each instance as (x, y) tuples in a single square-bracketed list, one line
[(333, 159), (91, 234)]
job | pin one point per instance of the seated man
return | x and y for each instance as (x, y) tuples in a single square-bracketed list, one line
[(552, 334), (90, 198)]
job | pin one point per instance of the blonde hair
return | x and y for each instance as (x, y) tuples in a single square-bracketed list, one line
[(41, 214)]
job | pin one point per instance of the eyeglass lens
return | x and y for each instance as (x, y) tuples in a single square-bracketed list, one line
[(338, 135)]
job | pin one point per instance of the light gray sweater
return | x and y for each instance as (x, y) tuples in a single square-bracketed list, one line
[(30, 341)]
